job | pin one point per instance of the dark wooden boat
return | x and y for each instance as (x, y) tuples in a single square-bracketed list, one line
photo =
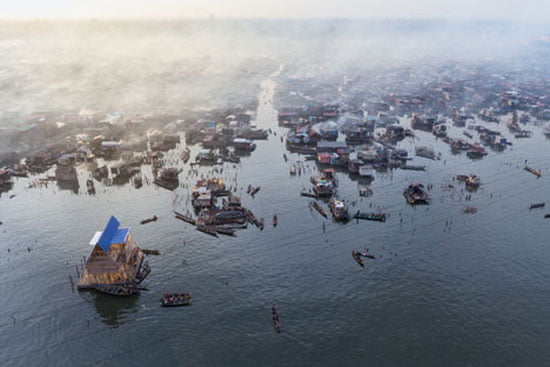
[(470, 210), (275, 320), (275, 220), (90, 186), (308, 194), (474, 154), (186, 155), (168, 185), (225, 230), (339, 210), (319, 209), (150, 252), (547, 216), (412, 167), (536, 206), (533, 171), (185, 218), (415, 194), (380, 217), (175, 299), (138, 182), (367, 255), (231, 159), (253, 220), (357, 257), (149, 220), (207, 230), (255, 191)]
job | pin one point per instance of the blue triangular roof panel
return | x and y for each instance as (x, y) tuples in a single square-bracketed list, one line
[(108, 233), (120, 235)]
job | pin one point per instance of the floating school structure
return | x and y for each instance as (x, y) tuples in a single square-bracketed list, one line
[(114, 263)]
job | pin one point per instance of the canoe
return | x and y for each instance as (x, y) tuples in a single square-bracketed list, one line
[(225, 230), (207, 230), (357, 257), (149, 220), (319, 209), (150, 252), (275, 320), (533, 171), (185, 218)]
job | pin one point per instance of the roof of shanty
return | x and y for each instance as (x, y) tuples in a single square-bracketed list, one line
[(331, 144)]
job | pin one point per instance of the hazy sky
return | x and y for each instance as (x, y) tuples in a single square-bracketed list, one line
[(538, 10)]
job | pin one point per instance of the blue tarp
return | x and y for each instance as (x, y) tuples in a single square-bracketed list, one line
[(111, 234)]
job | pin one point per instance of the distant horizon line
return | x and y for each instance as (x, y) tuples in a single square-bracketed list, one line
[(231, 18)]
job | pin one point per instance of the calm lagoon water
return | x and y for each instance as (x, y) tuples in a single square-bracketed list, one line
[(447, 288)]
